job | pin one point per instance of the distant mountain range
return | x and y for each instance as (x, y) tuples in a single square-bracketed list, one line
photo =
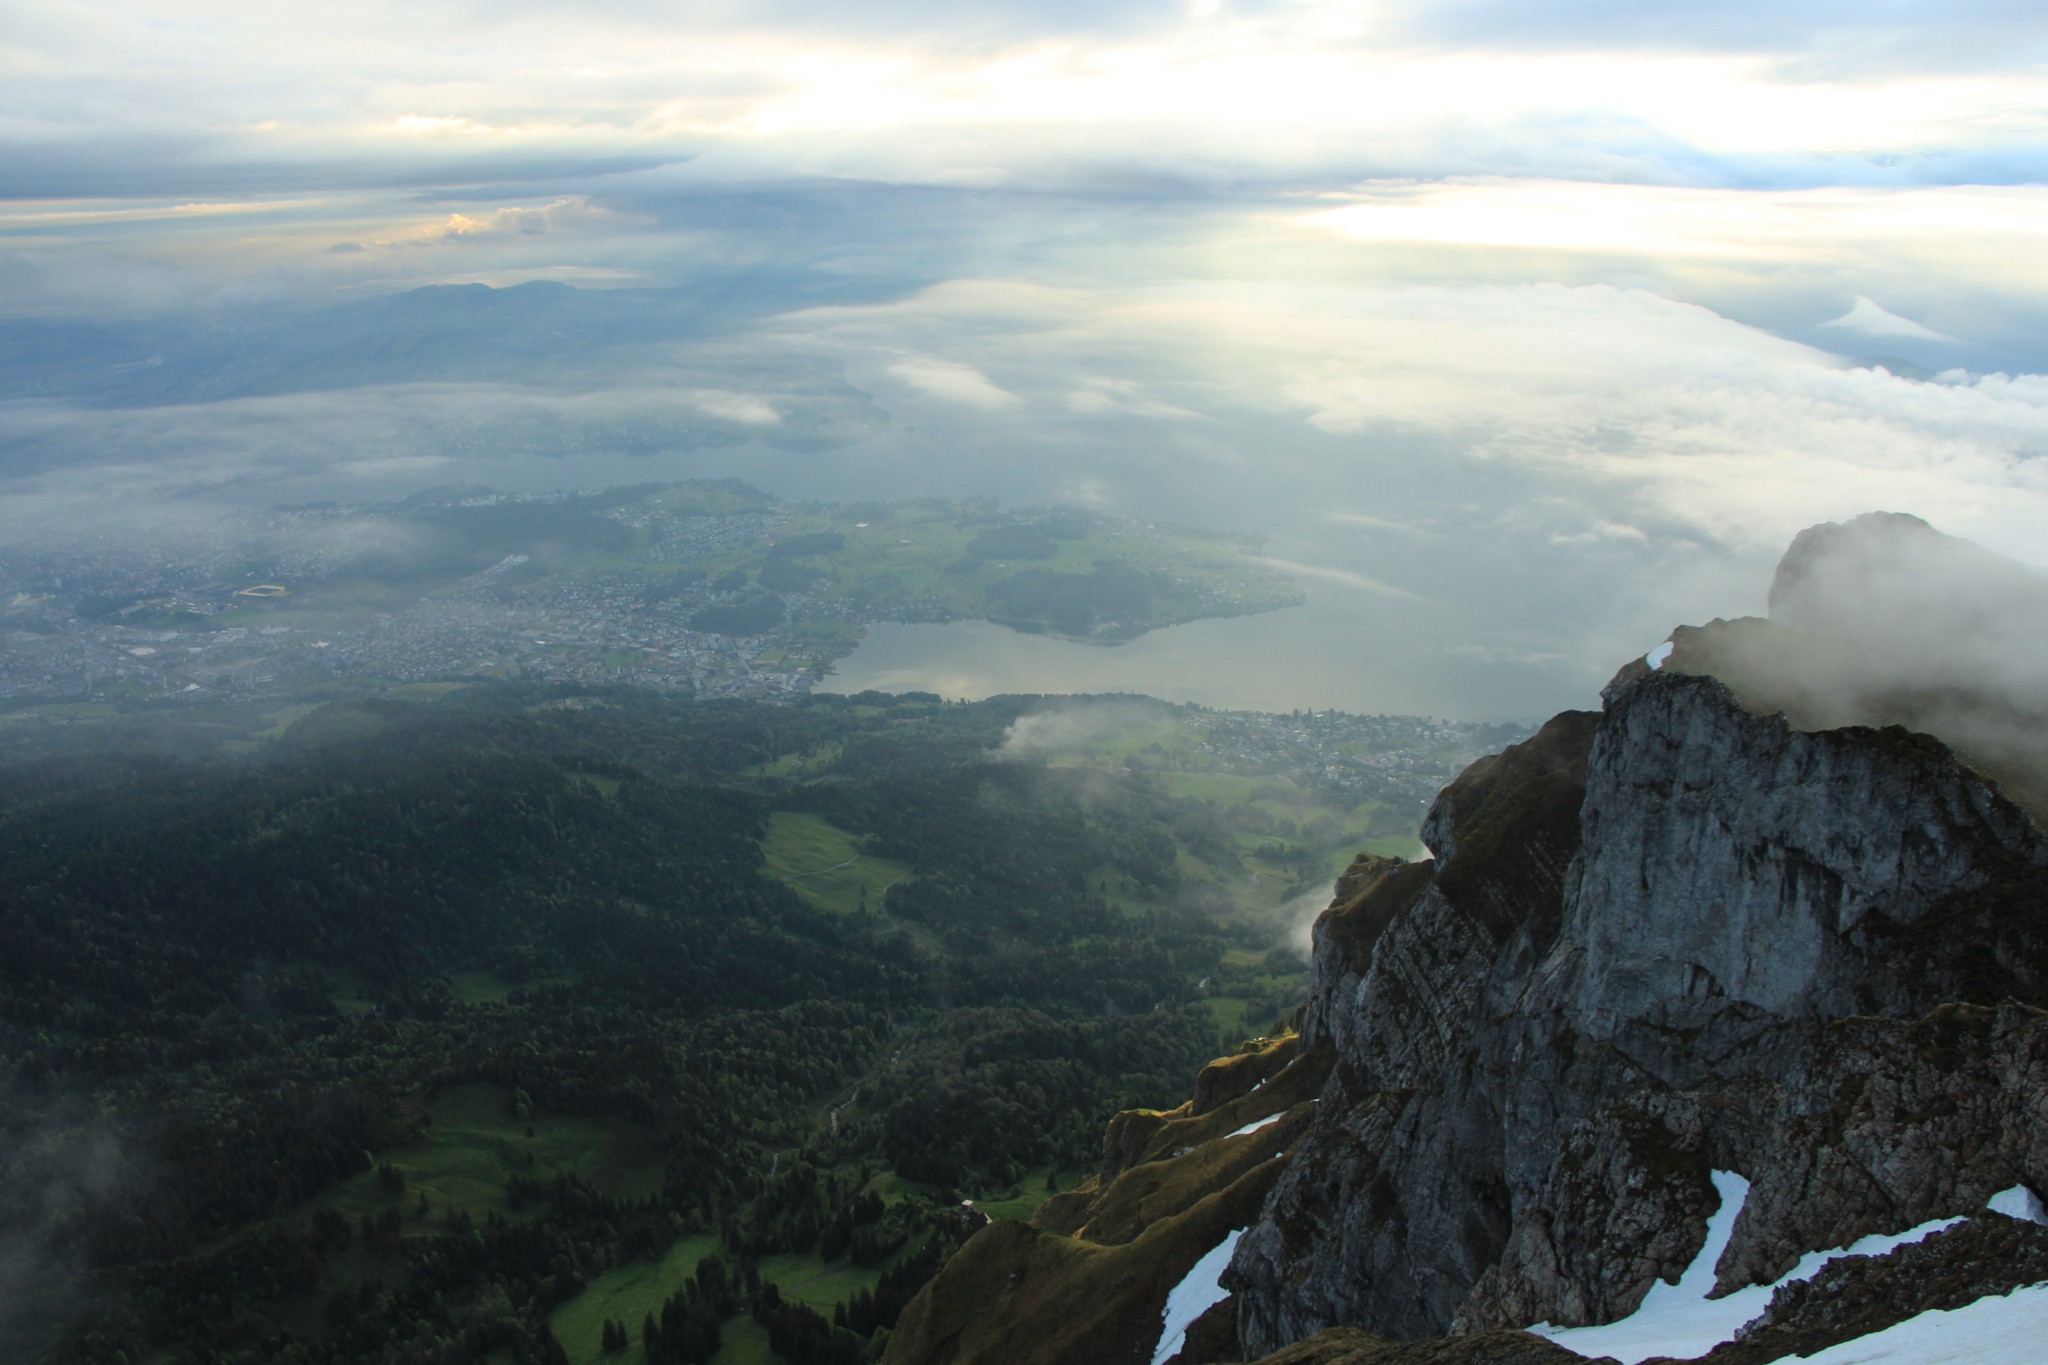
[(541, 332)]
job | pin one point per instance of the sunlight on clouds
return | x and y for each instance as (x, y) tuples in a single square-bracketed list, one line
[(1203, 87), (42, 215), (1628, 410), (433, 125), (1287, 84), (567, 213), (1699, 223)]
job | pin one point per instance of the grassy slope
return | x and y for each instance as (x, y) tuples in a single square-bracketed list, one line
[(628, 1294), (474, 1143), (1018, 1294), (824, 864)]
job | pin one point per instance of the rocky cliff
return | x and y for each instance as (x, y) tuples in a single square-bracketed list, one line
[(1737, 920), (1677, 936)]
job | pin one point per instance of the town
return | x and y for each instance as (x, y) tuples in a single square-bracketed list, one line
[(716, 589)]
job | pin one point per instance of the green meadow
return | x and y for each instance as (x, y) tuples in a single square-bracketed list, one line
[(824, 864), (627, 1294), (472, 1143)]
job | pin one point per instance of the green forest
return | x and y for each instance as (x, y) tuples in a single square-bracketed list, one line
[(516, 1024)]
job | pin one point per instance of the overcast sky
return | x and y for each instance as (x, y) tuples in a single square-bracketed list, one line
[(1539, 326)]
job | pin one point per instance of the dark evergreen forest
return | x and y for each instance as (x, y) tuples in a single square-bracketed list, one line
[(233, 987)]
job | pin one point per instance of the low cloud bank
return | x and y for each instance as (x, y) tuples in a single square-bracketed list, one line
[(58, 1167), (1884, 620), (1076, 730), (1300, 915)]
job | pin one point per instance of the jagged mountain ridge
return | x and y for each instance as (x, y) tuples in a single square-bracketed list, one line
[(1687, 933), (1725, 976)]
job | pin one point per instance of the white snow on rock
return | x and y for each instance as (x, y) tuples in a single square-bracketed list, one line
[(2008, 1330), (2018, 1202), (1679, 1320), (1656, 657), (1254, 1126), (1192, 1297)]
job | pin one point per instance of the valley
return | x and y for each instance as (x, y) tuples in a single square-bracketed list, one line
[(501, 1008), (710, 588)]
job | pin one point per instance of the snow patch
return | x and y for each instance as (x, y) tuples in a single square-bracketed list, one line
[(1195, 1295), (2004, 1330), (1679, 1320), (2018, 1202), (1674, 1319), (1656, 657), (1254, 1126)]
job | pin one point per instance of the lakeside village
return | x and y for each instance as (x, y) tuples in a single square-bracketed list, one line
[(87, 633), (146, 622)]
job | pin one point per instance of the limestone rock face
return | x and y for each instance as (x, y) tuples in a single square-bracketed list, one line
[(1675, 937), (1779, 908), (1729, 860)]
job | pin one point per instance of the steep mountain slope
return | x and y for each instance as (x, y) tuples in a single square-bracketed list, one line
[(1690, 934)]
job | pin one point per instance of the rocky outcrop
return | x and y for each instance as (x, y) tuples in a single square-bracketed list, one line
[(1403, 979), (1738, 920), (1857, 1295), (1730, 860), (1348, 1346), (1678, 936)]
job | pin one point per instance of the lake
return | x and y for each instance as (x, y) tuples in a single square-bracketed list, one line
[(1315, 657)]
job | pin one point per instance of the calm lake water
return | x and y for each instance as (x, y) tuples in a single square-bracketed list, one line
[(1316, 656)]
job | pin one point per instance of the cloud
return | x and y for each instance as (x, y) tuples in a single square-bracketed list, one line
[(1076, 729), (1866, 317), (1595, 463), (1912, 230), (1300, 914), (1500, 654), (1527, 281), (571, 214), (1883, 620), (1576, 468), (60, 1167), (1601, 533), (1660, 413), (1839, 37), (1113, 98), (745, 408), (71, 283), (1342, 577), (72, 476), (955, 382), (1101, 395)]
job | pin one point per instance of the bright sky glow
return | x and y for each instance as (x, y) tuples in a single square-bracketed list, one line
[(1248, 81), (1667, 221)]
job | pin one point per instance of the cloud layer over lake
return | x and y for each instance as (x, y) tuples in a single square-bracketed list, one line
[(1522, 334)]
